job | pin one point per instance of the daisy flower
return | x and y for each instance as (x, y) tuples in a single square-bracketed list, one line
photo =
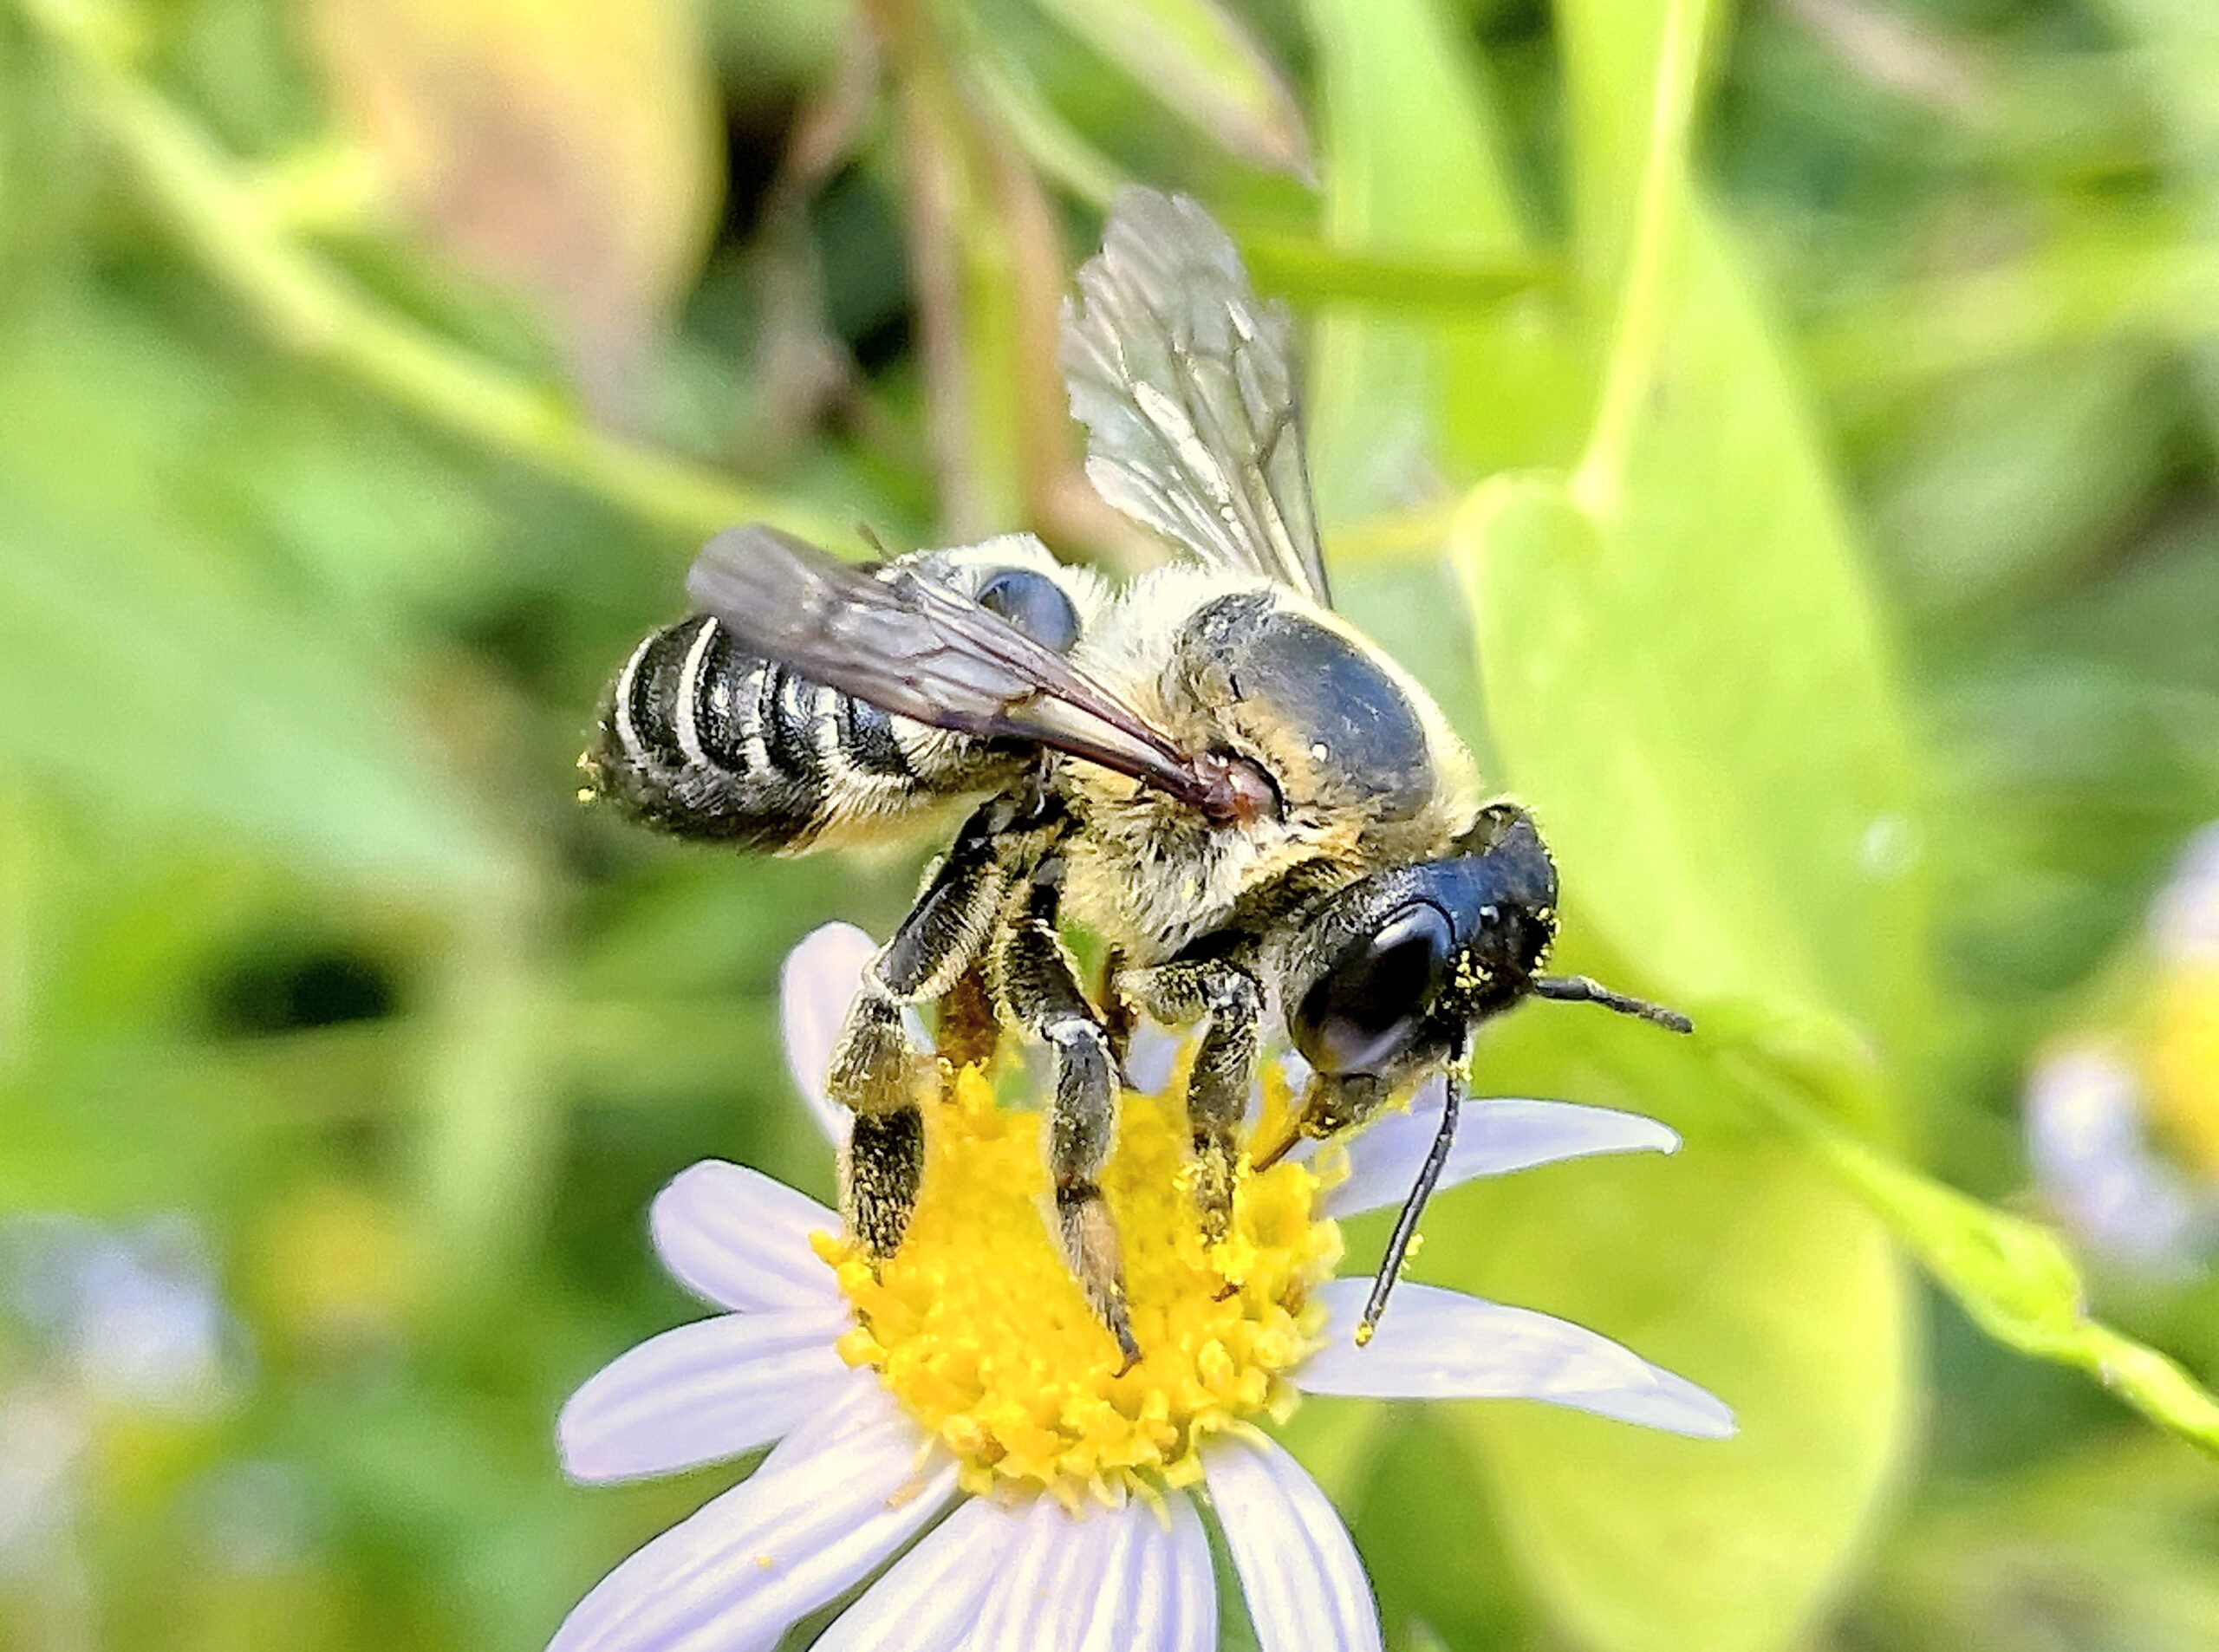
[(963, 1410)]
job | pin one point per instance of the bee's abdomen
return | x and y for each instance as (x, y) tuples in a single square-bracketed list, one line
[(703, 740)]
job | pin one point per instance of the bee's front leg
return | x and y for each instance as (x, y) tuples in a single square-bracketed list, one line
[(1228, 1002), (1035, 978)]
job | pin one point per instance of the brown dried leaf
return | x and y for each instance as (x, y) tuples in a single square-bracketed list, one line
[(565, 149)]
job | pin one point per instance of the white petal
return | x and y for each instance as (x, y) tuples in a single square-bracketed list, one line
[(2092, 1158), (735, 1238), (1437, 1344), (843, 1492), (1054, 1555), (1493, 1138), (711, 1389), (1124, 1579), (929, 1601), (1305, 1585), (819, 980), (1150, 1057), (2184, 919), (1162, 1592)]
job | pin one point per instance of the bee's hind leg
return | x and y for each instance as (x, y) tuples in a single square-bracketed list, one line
[(1039, 985), (876, 1073), (881, 1078), (1228, 1002)]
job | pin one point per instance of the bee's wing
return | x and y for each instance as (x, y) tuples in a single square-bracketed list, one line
[(913, 646), (1186, 382)]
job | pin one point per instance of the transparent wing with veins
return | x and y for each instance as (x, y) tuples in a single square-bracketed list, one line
[(913, 646), (1186, 384)]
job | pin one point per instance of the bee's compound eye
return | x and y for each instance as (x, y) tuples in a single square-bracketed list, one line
[(1033, 603), (1363, 1009)]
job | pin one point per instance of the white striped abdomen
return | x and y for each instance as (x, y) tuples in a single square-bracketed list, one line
[(701, 739)]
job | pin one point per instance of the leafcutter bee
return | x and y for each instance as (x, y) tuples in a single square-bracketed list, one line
[(1263, 814)]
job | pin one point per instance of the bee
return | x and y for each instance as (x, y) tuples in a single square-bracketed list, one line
[(1265, 817)]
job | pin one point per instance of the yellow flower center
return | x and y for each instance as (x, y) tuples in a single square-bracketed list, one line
[(979, 1330)]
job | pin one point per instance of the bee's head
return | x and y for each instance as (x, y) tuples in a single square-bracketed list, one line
[(1400, 965)]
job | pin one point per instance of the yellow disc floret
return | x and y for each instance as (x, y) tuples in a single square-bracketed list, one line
[(979, 1330)]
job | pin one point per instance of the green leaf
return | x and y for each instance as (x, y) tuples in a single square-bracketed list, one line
[(183, 682), (1739, 1265), (2013, 481), (1686, 679), (1455, 1579), (2177, 56), (1199, 60), (1415, 176), (1716, 826)]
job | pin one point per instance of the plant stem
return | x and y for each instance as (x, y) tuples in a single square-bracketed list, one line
[(1314, 269), (1660, 224), (314, 311), (2013, 1277)]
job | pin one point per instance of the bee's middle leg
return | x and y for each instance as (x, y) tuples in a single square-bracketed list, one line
[(876, 1074), (1039, 982), (1228, 1002)]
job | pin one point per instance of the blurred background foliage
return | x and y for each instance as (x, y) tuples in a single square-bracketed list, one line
[(1784, 438)]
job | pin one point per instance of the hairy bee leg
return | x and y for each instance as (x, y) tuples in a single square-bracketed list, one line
[(876, 1074), (1116, 1010), (880, 1077), (1228, 1003), (1039, 985)]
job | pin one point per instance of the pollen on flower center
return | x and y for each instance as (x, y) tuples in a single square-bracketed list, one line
[(980, 1332)]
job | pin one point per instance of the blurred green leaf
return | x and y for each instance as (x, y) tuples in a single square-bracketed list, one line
[(1200, 61), (1737, 835), (1739, 832), (1455, 1579), (1316, 271), (2115, 1531), (46, 178), (156, 672), (1417, 177), (2177, 43), (1059, 150), (2021, 468), (208, 202), (1684, 677), (1713, 1264)]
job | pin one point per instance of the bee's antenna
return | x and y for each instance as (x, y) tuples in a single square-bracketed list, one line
[(1406, 1225), (1578, 989)]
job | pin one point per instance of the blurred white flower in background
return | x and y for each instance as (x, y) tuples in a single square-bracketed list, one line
[(103, 1322), (2122, 1125), (131, 1314), (963, 1404)]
